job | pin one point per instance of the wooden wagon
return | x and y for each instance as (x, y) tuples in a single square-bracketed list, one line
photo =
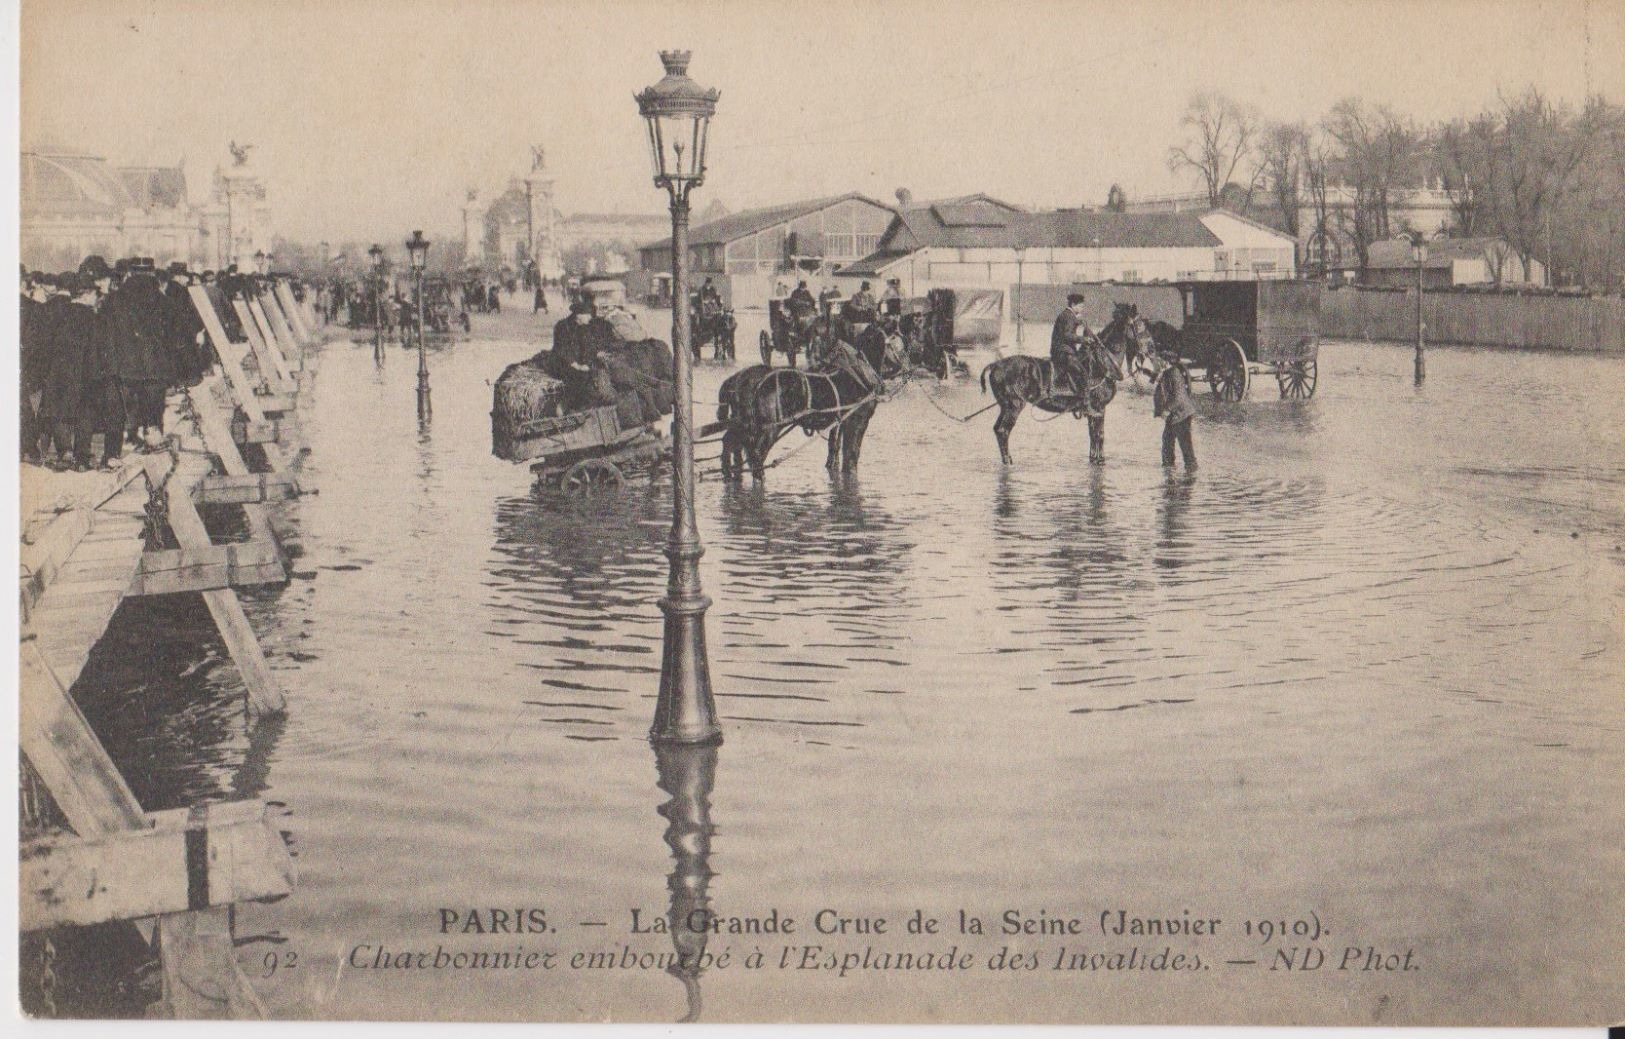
[(580, 452), (1235, 330)]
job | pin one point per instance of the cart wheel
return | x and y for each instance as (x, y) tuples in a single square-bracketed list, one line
[(1227, 372), (767, 350), (591, 477), (1297, 380)]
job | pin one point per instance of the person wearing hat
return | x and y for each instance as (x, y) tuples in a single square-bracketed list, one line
[(189, 344), (577, 341), (801, 298), (1066, 342), (861, 308), (891, 300), (141, 349), (1171, 401)]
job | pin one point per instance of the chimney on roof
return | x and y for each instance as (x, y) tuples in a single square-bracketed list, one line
[(905, 197)]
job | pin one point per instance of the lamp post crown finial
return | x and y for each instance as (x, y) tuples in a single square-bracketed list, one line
[(676, 62)]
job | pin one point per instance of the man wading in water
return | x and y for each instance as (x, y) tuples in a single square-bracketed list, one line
[(1171, 400)]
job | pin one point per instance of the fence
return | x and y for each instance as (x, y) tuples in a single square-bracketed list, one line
[(1577, 324), (1571, 323)]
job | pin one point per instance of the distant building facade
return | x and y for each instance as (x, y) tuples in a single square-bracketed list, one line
[(985, 242), (74, 203), (742, 252), (1450, 262)]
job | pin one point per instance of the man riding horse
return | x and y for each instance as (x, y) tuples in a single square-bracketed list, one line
[(1080, 376)]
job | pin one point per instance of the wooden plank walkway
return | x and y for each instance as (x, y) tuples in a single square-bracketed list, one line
[(79, 562)]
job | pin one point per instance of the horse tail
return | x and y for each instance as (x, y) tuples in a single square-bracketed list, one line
[(984, 376)]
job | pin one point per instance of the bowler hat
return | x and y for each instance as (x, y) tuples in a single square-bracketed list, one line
[(1074, 298), (94, 266), (177, 267)]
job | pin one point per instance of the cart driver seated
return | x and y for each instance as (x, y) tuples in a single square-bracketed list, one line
[(801, 300), (577, 342)]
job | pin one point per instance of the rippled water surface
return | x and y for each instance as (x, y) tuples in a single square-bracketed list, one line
[(1364, 663)]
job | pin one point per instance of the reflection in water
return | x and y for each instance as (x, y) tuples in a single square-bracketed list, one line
[(1172, 520), (687, 773)]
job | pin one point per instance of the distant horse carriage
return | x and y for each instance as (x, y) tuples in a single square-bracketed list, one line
[(1234, 330), (793, 328), (712, 323)]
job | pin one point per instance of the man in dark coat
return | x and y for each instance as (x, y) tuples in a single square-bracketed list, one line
[(1171, 401), (801, 299), (82, 364), (33, 363), (577, 341), (142, 349), (1066, 343), (189, 345)]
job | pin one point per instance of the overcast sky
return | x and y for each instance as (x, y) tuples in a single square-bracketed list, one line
[(371, 117)]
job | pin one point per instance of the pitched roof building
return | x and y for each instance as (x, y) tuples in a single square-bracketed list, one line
[(986, 242), (814, 235)]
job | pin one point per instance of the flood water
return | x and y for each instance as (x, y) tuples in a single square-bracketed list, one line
[(1362, 665)]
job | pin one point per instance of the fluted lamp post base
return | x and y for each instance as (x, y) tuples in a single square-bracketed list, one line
[(686, 711)]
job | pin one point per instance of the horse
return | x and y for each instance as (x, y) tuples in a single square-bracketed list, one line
[(759, 404), (713, 323), (1022, 380)]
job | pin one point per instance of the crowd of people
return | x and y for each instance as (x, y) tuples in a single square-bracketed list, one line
[(101, 347)]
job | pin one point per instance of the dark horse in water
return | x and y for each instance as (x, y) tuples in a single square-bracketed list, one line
[(1022, 380), (758, 405)]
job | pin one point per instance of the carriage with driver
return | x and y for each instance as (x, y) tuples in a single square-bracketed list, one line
[(594, 446), (1234, 330), (712, 322), (793, 330)]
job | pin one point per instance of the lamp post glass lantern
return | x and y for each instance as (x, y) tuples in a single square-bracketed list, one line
[(677, 112), (417, 247)]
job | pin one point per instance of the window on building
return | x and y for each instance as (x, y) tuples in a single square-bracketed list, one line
[(1131, 276)]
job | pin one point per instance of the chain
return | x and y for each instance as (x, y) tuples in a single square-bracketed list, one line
[(47, 976)]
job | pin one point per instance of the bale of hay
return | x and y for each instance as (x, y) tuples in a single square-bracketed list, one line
[(523, 393)]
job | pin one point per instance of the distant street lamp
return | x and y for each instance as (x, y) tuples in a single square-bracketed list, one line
[(1419, 256), (1021, 257), (377, 255), (418, 247), (678, 113), (260, 265)]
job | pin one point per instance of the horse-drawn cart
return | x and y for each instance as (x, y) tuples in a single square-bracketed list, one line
[(1237, 329), (581, 452)]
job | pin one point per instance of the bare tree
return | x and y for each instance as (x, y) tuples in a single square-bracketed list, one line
[(1376, 149), (1221, 138), (1283, 152)]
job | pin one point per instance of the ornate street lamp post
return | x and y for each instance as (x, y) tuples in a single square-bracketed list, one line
[(678, 113), (418, 247), (376, 253), (259, 261)]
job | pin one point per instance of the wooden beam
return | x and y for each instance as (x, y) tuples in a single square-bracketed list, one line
[(271, 431), (179, 861), (296, 314), (63, 749), (273, 369), (279, 323), (230, 358), (263, 691), (276, 334), (251, 487), (278, 403), (174, 570)]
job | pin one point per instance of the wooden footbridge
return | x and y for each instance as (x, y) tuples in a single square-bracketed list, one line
[(102, 857)]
